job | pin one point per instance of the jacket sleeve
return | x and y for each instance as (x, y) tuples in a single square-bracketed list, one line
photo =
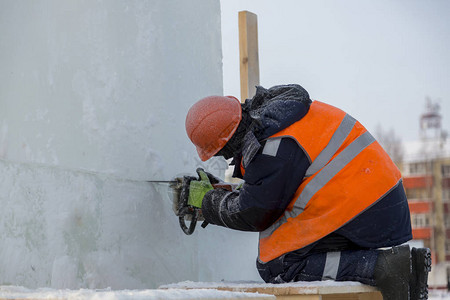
[(270, 183)]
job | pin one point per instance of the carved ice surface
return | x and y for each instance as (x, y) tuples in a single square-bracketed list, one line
[(93, 100)]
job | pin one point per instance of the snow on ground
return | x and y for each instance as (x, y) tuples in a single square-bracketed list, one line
[(16, 292), (433, 294), (256, 284), (197, 290)]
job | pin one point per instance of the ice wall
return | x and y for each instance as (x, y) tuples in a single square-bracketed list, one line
[(93, 96)]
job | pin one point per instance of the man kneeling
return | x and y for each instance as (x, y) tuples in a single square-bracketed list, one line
[(321, 191)]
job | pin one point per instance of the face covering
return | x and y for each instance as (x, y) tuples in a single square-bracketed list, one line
[(234, 146)]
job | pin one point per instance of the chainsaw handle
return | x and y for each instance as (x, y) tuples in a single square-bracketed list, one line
[(181, 218), (195, 212), (182, 184), (223, 185)]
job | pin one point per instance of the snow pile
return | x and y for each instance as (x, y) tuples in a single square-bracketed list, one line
[(15, 292)]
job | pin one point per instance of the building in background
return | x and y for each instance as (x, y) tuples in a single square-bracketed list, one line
[(426, 176)]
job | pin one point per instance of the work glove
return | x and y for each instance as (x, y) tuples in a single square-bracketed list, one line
[(199, 187)]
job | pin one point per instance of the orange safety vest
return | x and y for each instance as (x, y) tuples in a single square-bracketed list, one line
[(349, 172)]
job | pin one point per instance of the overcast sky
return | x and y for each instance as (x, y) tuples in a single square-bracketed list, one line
[(377, 60)]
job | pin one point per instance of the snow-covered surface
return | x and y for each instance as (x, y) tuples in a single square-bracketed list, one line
[(93, 100), (295, 288), (257, 284), (197, 290), (16, 292)]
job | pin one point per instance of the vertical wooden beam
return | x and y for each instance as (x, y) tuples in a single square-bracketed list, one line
[(248, 53)]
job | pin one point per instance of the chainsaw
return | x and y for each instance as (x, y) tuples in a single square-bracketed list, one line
[(180, 196)]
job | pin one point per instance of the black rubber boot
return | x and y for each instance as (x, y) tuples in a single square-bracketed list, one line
[(392, 273), (421, 265)]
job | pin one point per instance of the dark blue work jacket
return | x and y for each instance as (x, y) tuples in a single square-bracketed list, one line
[(271, 181)]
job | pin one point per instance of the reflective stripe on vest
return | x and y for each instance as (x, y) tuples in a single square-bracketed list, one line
[(349, 172), (336, 141), (271, 146), (328, 172)]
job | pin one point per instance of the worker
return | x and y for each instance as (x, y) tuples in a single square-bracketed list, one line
[(320, 190)]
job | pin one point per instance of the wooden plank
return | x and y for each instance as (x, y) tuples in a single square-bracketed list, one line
[(371, 296), (341, 297), (248, 53), (344, 296), (320, 290), (352, 296), (300, 297)]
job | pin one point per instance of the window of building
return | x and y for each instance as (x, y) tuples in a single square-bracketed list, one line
[(445, 170), (419, 168), (418, 194), (446, 194), (420, 220), (447, 247), (447, 221), (411, 194)]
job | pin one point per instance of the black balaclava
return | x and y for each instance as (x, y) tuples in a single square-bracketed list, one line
[(234, 146)]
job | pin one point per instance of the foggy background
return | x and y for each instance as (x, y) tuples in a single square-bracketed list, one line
[(377, 60)]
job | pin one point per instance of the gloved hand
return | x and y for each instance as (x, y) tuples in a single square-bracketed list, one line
[(199, 187)]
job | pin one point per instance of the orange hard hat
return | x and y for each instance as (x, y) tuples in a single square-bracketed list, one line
[(211, 122)]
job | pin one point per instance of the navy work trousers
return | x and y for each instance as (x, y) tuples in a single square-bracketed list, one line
[(347, 265)]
